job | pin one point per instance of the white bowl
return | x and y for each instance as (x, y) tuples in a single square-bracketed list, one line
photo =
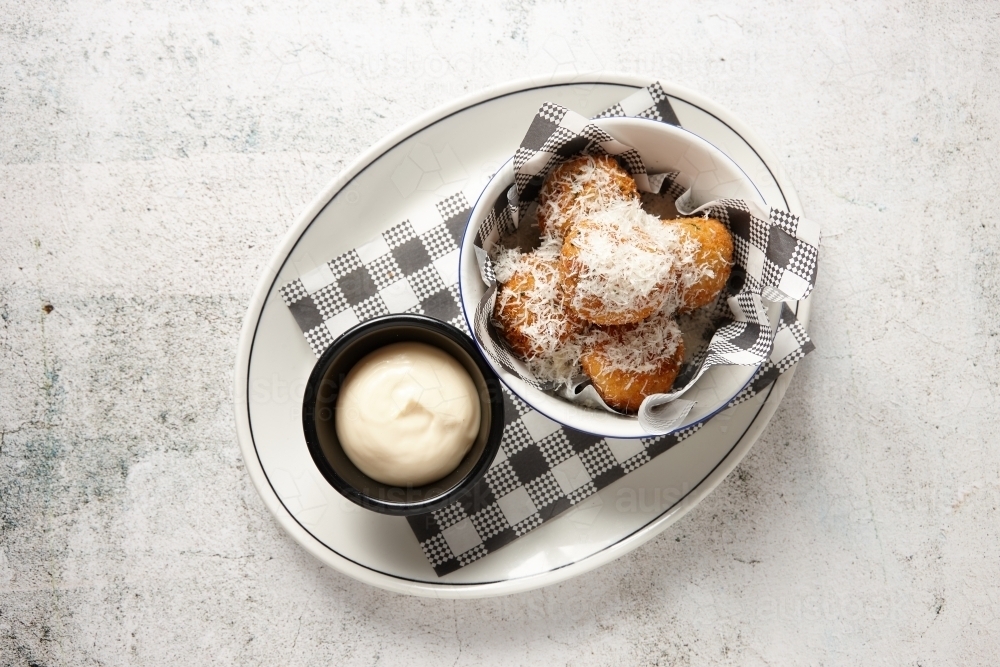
[(710, 174)]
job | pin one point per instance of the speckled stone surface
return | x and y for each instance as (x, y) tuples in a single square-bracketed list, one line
[(151, 158)]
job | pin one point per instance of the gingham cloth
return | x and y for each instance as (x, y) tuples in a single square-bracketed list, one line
[(411, 268), (543, 468)]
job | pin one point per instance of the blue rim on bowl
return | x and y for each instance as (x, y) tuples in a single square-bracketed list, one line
[(574, 416)]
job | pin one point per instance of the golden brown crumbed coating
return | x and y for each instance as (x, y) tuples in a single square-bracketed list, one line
[(517, 301), (622, 386), (715, 252), (578, 186), (593, 308)]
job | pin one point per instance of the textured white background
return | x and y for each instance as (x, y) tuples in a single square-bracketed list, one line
[(150, 160)]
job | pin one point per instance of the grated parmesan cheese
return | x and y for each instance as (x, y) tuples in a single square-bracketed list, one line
[(623, 263), (602, 260), (530, 311), (579, 187), (637, 348)]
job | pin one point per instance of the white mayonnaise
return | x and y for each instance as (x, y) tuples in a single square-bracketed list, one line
[(407, 413)]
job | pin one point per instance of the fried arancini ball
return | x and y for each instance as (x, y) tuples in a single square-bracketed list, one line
[(627, 364), (701, 283), (616, 265), (580, 186), (529, 311)]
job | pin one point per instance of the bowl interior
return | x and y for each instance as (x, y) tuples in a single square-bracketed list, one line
[(710, 174), (707, 171), (320, 415)]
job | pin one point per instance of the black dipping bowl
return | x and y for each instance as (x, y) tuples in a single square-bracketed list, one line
[(319, 415)]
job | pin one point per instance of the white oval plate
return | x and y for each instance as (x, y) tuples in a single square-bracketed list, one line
[(458, 147)]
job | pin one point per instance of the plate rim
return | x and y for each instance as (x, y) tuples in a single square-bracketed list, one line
[(288, 242)]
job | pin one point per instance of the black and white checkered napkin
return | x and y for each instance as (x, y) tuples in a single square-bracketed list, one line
[(543, 468), (775, 253), (411, 268)]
